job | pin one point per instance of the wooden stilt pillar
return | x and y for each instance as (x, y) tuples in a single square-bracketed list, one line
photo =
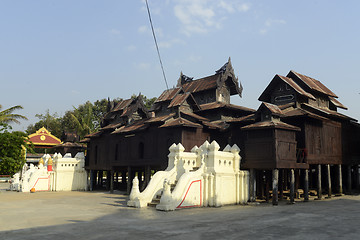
[(319, 189), (100, 179), (267, 185), (129, 180), (357, 180), (328, 180), (261, 184), (275, 186), (297, 183), (116, 180), (252, 185), (111, 178), (123, 177), (281, 184), (292, 186), (147, 175), (349, 182), (340, 187), (91, 180), (306, 185)]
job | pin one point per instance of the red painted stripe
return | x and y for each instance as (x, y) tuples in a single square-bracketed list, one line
[(48, 178), (187, 193)]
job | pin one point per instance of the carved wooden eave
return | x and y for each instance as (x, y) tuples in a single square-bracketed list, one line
[(228, 77)]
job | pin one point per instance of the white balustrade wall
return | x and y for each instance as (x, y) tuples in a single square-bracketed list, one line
[(203, 177)]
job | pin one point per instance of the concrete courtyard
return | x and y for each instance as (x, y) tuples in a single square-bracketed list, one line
[(100, 215)]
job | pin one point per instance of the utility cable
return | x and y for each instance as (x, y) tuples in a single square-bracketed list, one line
[(157, 48)]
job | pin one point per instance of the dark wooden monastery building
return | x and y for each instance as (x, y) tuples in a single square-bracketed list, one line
[(133, 140), (296, 143), (298, 127)]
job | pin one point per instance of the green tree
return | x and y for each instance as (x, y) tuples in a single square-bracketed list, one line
[(12, 150), (51, 122), (7, 116)]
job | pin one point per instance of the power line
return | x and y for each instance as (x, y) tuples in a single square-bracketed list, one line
[(157, 48)]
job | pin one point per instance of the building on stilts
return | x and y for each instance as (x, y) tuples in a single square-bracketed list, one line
[(296, 144)]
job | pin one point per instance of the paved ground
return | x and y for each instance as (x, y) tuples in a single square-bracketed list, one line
[(99, 215)]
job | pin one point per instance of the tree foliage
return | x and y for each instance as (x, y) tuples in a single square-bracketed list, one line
[(52, 122), (7, 116), (82, 120), (12, 150)]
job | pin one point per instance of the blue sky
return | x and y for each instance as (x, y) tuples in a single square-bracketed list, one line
[(59, 54)]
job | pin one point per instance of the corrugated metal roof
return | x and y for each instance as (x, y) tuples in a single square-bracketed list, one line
[(167, 95), (201, 84), (122, 105), (214, 105), (270, 124), (180, 122), (337, 103), (328, 112), (273, 108), (250, 117), (314, 84), (302, 112), (95, 134), (296, 87), (160, 118), (178, 100), (135, 126), (194, 116), (212, 125), (112, 126)]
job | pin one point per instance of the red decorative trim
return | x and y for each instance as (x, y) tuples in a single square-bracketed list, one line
[(48, 178), (187, 193)]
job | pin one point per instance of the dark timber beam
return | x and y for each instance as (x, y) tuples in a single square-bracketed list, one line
[(328, 180), (91, 180), (111, 181), (129, 180), (275, 186), (306, 185), (340, 182), (292, 186), (252, 185), (319, 189)]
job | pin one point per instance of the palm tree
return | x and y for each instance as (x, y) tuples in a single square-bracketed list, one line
[(7, 116)]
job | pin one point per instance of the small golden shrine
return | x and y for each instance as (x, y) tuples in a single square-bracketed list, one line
[(43, 139)]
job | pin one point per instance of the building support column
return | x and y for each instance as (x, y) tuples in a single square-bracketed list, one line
[(147, 175), (267, 185), (328, 180), (100, 178), (292, 186), (129, 180), (349, 181), (91, 180), (111, 181), (252, 178), (306, 185), (319, 189), (281, 184), (340, 182), (275, 186), (357, 175)]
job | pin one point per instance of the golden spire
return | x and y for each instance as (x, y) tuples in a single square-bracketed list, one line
[(50, 161), (41, 161)]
